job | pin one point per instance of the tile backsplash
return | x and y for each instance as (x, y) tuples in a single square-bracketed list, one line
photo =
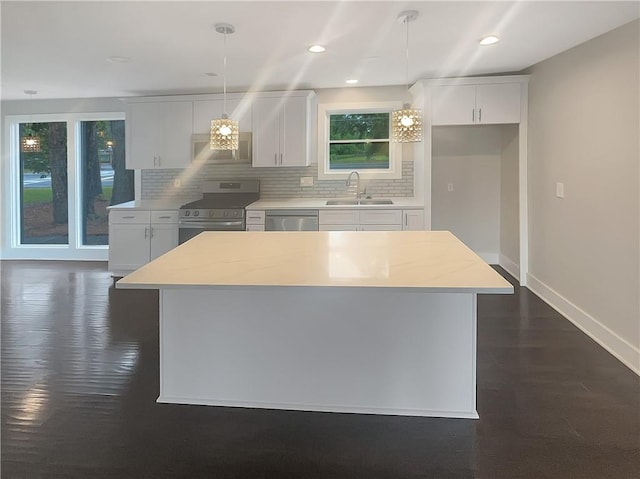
[(186, 184)]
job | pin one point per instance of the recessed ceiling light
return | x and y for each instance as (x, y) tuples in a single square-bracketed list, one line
[(316, 48), (489, 40), (118, 59), (351, 81)]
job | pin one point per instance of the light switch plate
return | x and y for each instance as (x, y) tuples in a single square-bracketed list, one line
[(306, 181), (449, 186), (177, 183), (560, 190)]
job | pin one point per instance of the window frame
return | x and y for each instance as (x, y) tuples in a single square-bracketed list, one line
[(395, 149)]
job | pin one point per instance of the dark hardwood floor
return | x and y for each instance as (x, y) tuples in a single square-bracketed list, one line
[(80, 379)]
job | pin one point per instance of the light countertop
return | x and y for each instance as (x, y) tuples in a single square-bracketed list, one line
[(433, 261), (149, 205), (275, 204), (321, 203)]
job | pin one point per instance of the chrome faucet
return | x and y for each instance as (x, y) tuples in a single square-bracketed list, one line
[(357, 182)]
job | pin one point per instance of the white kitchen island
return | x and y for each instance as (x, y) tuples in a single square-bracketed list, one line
[(377, 322)]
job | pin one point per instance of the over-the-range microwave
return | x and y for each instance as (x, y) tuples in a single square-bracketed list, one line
[(201, 152)]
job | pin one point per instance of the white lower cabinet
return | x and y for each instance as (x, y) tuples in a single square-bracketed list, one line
[(255, 220), (137, 237), (412, 220), (370, 220)]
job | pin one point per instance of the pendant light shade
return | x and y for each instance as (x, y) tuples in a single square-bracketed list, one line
[(224, 131), (406, 124), (30, 143)]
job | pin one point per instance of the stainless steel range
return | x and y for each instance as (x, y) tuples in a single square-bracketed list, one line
[(220, 209)]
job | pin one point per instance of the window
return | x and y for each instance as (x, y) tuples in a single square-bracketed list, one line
[(357, 137), (57, 192), (359, 141)]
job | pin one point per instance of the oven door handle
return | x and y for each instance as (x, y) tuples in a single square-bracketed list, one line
[(210, 225)]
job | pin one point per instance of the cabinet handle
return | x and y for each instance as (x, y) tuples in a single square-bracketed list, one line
[(151, 232), (128, 217), (280, 158), (473, 115), (164, 217), (146, 232), (406, 216), (480, 115), (275, 159)]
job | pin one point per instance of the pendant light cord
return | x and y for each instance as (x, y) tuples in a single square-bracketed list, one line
[(224, 75), (406, 20)]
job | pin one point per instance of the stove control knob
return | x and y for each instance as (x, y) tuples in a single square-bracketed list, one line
[(235, 213), (187, 213), (196, 213), (211, 213), (226, 214)]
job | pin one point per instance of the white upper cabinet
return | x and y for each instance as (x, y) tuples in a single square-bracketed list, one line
[(280, 131), (158, 134), (484, 104), (206, 110)]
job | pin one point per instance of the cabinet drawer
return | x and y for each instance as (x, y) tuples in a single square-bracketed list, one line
[(164, 216), (345, 227), (342, 217), (125, 217), (255, 217), (259, 227), (381, 217)]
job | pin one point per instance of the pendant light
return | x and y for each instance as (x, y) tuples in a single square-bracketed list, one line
[(407, 123), (30, 143), (224, 131)]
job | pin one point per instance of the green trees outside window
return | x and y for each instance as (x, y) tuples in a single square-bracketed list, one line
[(359, 141)]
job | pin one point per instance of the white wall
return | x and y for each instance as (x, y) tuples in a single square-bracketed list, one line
[(468, 158), (584, 132), (509, 201)]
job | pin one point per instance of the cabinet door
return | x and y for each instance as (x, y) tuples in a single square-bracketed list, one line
[(380, 227), (128, 246), (177, 122), (206, 110), (159, 134), (413, 220), (330, 227), (144, 135), (164, 237), (293, 136), (338, 217), (499, 103), (381, 217), (453, 105), (266, 134)]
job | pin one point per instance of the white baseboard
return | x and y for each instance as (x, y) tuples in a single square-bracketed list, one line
[(490, 258), (621, 349), (510, 266)]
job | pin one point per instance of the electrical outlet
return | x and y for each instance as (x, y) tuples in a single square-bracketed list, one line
[(306, 181), (449, 186), (560, 190), (177, 183)]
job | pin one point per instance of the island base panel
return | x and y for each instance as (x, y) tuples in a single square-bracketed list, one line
[(378, 351)]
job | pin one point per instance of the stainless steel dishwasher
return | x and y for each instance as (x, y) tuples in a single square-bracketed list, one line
[(291, 220)]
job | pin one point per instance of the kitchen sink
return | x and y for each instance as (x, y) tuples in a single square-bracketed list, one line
[(376, 202), (358, 202)]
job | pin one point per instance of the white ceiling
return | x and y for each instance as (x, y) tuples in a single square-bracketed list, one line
[(60, 49)]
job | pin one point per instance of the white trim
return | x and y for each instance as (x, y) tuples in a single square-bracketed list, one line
[(510, 266), (318, 407), (395, 149), (626, 353)]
